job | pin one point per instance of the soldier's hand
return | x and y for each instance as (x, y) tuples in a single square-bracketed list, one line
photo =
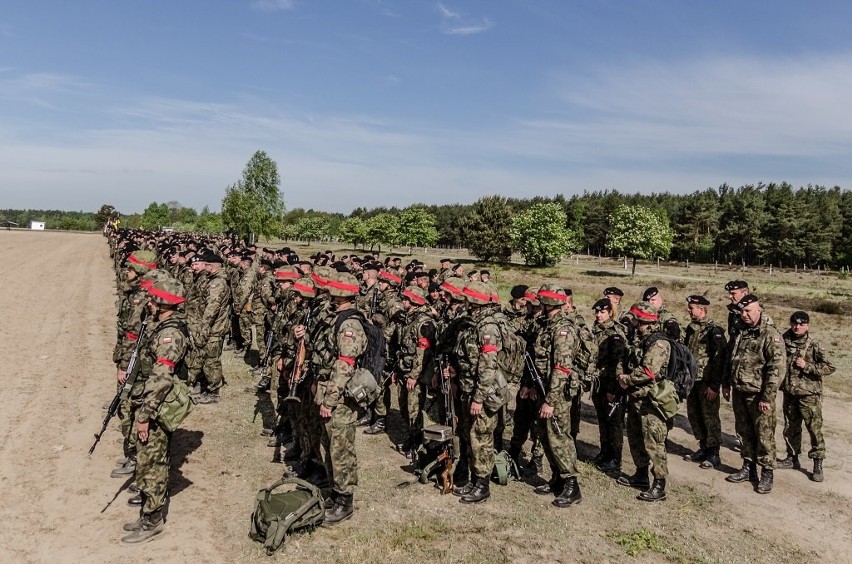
[(410, 383), (475, 408), (524, 392), (121, 376), (546, 411), (610, 398), (325, 412), (726, 393), (142, 431), (711, 394), (763, 406), (279, 364), (624, 381), (436, 382), (800, 363), (449, 371), (299, 331)]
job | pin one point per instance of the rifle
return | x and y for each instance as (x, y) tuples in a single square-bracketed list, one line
[(270, 336), (539, 384), (131, 372), (448, 454), (373, 304), (620, 396), (299, 362)]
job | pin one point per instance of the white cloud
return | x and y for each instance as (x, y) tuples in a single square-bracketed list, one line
[(455, 23), (273, 5)]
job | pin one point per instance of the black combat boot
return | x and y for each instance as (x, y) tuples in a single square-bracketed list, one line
[(657, 491), (151, 525), (817, 475), (534, 467), (377, 428), (698, 456), (747, 472), (637, 480), (602, 456), (765, 484), (365, 419), (611, 465), (570, 494), (481, 491), (713, 460), (791, 462), (135, 501), (515, 454), (554, 486), (341, 510), (460, 491)]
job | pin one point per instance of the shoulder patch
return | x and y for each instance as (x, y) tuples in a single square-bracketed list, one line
[(167, 340), (660, 344), (347, 333), (563, 333), (486, 338), (777, 339)]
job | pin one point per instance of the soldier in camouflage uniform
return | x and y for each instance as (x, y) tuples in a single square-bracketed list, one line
[(614, 295), (344, 344), (668, 322), (262, 302), (647, 429), (161, 353), (212, 327), (233, 273), (196, 296), (758, 362), (242, 297), (612, 349), (553, 350), (367, 303), (415, 363), (707, 342), (807, 365), (483, 390)]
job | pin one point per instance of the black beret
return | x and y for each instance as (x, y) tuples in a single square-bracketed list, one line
[(340, 266), (210, 256), (733, 308), (746, 301), (433, 272), (267, 263), (457, 265), (519, 291), (409, 276), (421, 274), (247, 257), (486, 272), (698, 299), (612, 290), (446, 260), (800, 317), (650, 293), (434, 287), (602, 304), (371, 266), (736, 285)]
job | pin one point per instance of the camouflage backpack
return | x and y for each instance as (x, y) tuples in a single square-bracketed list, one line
[(510, 357), (277, 515), (587, 351)]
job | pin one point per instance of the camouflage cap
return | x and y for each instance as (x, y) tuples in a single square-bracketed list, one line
[(552, 294), (390, 278), (454, 286), (477, 293), (167, 291), (644, 312), (142, 261), (305, 287), (149, 278), (342, 285), (321, 275), (287, 274), (415, 295)]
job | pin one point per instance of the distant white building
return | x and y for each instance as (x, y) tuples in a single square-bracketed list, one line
[(37, 225)]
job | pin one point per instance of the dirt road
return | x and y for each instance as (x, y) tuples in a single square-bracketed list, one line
[(57, 505)]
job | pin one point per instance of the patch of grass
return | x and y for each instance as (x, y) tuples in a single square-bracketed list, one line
[(638, 541), (827, 307)]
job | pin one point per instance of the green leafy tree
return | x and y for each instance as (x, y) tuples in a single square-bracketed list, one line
[(353, 230), (208, 222), (254, 205), (310, 228), (417, 227), (155, 216), (106, 213), (382, 228), (485, 230), (540, 234), (639, 232)]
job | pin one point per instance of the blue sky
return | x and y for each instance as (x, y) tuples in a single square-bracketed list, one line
[(381, 102)]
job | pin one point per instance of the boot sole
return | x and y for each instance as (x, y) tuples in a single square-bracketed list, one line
[(328, 524), (472, 502), (640, 497), (563, 505)]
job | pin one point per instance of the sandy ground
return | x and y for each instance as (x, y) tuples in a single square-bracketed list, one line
[(57, 505)]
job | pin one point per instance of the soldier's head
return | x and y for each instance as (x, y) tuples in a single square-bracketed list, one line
[(602, 310), (140, 262), (737, 290), (285, 276), (644, 317), (196, 264), (652, 296), (304, 290), (473, 276), (412, 298), (445, 263), (697, 306), (246, 261), (165, 295), (800, 323), (614, 294), (234, 257), (421, 278), (458, 270), (452, 290), (212, 262), (370, 273), (477, 295), (750, 310), (265, 266), (519, 297), (553, 298), (485, 275), (388, 279), (343, 288)]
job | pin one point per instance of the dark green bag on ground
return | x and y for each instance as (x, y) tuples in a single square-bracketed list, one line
[(505, 468), (279, 514)]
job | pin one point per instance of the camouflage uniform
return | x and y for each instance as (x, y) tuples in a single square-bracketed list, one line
[(612, 348), (417, 339), (212, 327), (389, 316), (757, 365), (802, 394), (262, 301), (243, 303), (196, 297), (707, 342), (669, 324)]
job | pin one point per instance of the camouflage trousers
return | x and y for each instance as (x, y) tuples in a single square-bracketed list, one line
[(480, 429), (258, 320), (383, 403), (245, 326), (524, 426), (152, 467), (646, 435), (807, 410), (307, 424), (559, 448), (338, 441), (610, 428), (127, 430), (756, 429), (411, 405), (703, 416), (207, 359)]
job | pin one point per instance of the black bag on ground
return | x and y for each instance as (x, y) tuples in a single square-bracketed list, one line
[(279, 514)]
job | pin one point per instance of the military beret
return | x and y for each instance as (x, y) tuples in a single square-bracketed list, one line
[(604, 304), (735, 285), (443, 260), (421, 274), (650, 293), (746, 301), (369, 257), (486, 272), (247, 256), (409, 276), (267, 263), (457, 266), (371, 266), (612, 291), (235, 253), (433, 287), (433, 272), (519, 291), (697, 299), (800, 317), (211, 257), (340, 266)]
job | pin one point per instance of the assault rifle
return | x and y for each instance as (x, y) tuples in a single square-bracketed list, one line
[(132, 372), (296, 375), (448, 454), (540, 388)]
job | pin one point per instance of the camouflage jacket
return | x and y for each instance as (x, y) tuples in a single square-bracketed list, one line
[(647, 362), (263, 294), (196, 297), (368, 299), (669, 324), (160, 355), (758, 361), (553, 350), (345, 346), (805, 381), (136, 301), (243, 290), (707, 342), (213, 321), (612, 350), (417, 342), (475, 354), (320, 352)]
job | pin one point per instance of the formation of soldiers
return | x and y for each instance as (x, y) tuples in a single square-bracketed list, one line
[(447, 331)]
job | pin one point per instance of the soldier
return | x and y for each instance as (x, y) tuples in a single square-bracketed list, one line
[(415, 363), (553, 349), (446, 271), (243, 299), (807, 365), (757, 363), (368, 295), (612, 348), (212, 327), (232, 275), (614, 295), (346, 341), (161, 353), (262, 302), (707, 342), (647, 427), (668, 322), (737, 290), (483, 390)]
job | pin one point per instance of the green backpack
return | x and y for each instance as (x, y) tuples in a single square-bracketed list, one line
[(505, 468), (279, 514)]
